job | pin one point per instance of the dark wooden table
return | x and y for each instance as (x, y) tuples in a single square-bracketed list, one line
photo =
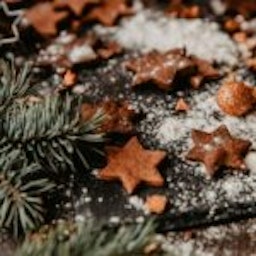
[(235, 239)]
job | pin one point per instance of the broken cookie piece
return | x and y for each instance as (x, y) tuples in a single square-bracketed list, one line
[(182, 105), (156, 203)]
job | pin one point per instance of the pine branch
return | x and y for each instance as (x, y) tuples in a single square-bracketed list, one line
[(88, 238), (48, 131), (13, 84), (45, 134), (21, 203)]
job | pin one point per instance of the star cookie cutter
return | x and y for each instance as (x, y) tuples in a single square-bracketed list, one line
[(14, 27)]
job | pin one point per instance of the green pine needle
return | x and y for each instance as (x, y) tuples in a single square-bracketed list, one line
[(21, 204), (48, 131), (13, 84), (88, 239), (45, 134)]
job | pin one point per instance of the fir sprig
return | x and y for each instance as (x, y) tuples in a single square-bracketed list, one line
[(13, 84), (89, 239), (48, 131), (21, 191), (36, 134)]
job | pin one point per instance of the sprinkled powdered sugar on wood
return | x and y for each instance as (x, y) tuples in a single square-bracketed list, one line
[(186, 183), (184, 248), (163, 128), (148, 31), (203, 242), (204, 115)]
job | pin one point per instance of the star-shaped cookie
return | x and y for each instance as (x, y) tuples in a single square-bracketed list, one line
[(205, 72), (133, 165), (246, 8), (44, 18), (159, 68), (218, 149), (77, 6), (108, 12), (118, 116)]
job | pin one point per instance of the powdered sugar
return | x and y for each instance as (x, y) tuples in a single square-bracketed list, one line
[(233, 187), (80, 53), (250, 161), (161, 127), (153, 31), (223, 240), (166, 129), (184, 248), (204, 115), (138, 204)]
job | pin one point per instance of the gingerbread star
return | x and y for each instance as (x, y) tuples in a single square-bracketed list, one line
[(118, 116), (218, 149), (44, 18), (77, 6), (133, 165), (180, 9), (159, 68), (246, 8), (109, 11), (205, 72)]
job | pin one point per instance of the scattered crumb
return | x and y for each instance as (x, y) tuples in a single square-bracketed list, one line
[(181, 105), (69, 79), (156, 203)]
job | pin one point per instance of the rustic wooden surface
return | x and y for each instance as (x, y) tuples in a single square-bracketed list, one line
[(235, 239)]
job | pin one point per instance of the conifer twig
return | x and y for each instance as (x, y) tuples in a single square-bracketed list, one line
[(89, 238), (21, 203), (48, 132), (13, 84), (42, 134)]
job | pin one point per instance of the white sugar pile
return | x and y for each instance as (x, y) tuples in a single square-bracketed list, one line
[(153, 31)]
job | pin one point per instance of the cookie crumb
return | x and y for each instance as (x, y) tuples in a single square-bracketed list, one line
[(156, 203), (182, 105)]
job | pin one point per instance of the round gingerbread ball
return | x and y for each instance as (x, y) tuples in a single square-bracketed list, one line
[(236, 98)]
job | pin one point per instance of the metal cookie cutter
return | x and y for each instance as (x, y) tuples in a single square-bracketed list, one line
[(18, 16)]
